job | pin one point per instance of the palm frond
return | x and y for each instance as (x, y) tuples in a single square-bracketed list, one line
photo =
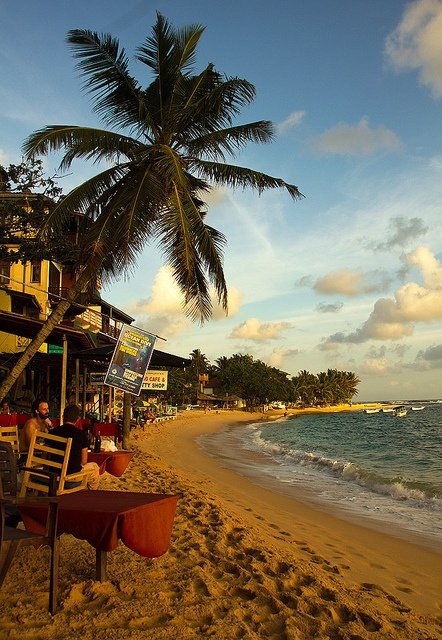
[(187, 40), (192, 249), (128, 215), (116, 93), (81, 142), (171, 55), (233, 176), (208, 104), (215, 144), (84, 199)]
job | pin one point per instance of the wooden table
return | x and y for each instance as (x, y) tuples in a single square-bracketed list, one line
[(142, 521), (114, 462)]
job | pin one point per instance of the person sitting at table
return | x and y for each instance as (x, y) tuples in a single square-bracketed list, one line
[(78, 456), (38, 422), (5, 409)]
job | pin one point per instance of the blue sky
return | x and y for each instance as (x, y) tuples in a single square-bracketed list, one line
[(351, 276)]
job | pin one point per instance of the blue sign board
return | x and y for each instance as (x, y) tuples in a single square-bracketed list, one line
[(130, 360)]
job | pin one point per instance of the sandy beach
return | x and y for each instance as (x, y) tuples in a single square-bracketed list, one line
[(244, 562)]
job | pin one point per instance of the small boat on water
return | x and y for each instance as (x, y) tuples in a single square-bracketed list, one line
[(417, 408), (400, 412), (371, 410), (387, 409)]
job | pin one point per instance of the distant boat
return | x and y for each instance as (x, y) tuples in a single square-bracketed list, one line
[(371, 410), (417, 408), (387, 410), (400, 412)]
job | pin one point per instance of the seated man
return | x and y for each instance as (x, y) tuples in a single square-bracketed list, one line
[(79, 447), (39, 422)]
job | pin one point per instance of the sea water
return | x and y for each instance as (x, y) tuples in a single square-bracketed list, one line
[(383, 468)]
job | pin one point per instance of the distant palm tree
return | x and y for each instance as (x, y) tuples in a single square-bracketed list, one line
[(168, 151)]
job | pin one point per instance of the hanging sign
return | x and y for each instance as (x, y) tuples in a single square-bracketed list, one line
[(130, 360), (156, 380)]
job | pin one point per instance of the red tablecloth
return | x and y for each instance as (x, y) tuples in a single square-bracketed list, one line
[(114, 462), (143, 521)]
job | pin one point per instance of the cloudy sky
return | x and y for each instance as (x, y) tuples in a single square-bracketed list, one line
[(349, 277)]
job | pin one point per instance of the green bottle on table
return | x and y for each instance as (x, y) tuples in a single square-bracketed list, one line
[(97, 445)]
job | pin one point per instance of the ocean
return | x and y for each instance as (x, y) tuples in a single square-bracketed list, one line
[(381, 468)]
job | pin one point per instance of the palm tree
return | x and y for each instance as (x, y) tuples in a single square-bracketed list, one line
[(167, 150)]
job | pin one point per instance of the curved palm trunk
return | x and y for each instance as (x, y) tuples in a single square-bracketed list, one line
[(53, 320)]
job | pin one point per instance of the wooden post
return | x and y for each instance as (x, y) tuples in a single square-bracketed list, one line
[(77, 381), (109, 408), (64, 363), (126, 419), (83, 403), (101, 565), (102, 403)]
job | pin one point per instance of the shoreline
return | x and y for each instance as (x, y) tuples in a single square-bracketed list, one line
[(252, 464), (369, 552)]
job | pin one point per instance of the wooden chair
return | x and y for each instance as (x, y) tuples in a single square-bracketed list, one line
[(11, 539), (10, 434), (9, 484), (8, 471), (45, 455)]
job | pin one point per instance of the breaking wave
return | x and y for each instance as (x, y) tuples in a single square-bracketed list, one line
[(344, 470)]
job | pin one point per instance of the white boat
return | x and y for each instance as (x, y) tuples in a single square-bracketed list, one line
[(400, 412), (371, 410), (387, 410), (417, 408)]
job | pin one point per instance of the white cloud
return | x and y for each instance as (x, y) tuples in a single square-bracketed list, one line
[(163, 311), (293, 120), (393, 318), (253, 329), (279, 355), (376, 366), (235, 299), (350, 282), (328, 345), (431, 270), (361, 139), (416, 43), (2, 157), (214, 196), (165, 298)]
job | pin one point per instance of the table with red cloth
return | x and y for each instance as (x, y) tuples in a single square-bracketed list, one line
[(142, 521), (114, 462)]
